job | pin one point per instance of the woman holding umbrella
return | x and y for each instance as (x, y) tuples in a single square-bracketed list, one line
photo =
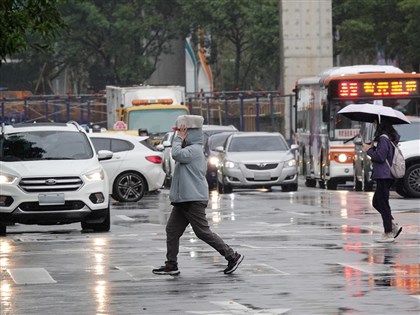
[(381, 173)]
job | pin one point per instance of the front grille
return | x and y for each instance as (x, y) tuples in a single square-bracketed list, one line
[(261, 166), (50, 184), (69, 205), (250, 179)]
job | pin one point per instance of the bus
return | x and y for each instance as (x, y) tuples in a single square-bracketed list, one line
[(326, 150)]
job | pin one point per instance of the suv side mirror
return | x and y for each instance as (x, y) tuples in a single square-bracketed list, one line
[(219, 149), (104, 155)]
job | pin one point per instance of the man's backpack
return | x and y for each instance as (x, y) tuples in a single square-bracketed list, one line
[(398, 162)]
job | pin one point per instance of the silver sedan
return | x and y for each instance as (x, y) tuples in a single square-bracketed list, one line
[(256, 159)]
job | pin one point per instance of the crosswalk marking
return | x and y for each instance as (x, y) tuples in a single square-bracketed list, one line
[(30, 276), (124, 217), (234, 308)]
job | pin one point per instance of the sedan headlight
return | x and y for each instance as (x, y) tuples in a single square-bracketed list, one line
[(94, 176), (290, 163), (230, 164), (6, 179), (214, 160)]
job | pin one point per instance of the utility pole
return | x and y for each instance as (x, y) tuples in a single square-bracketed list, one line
[(281, 49)]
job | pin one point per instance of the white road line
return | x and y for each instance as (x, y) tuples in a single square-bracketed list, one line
[(232, 307), (124, 217), (30, 276), (372, 268)]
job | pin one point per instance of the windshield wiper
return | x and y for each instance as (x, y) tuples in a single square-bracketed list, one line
[(352, 138)]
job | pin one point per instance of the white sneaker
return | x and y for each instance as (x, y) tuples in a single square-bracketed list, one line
[(386, 238), (396, 230)]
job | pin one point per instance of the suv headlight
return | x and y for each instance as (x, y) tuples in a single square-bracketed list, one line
[(290, 163), (230, 164), (6, 179), (94, 176)]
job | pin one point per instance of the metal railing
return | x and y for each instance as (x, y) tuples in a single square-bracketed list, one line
[(246, 110)]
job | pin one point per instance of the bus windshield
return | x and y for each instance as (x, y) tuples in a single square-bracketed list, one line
[(155, 121)]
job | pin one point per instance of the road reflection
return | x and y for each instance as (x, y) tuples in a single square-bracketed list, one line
[(100, 249), (381, 267), (6, 288)]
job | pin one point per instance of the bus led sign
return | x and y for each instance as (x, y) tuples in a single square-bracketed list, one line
[(382, 88)]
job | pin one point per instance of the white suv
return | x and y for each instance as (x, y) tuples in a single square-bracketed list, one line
[(409, 185), (50, 174)]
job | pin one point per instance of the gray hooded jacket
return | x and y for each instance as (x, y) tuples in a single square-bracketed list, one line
[(189, 179)]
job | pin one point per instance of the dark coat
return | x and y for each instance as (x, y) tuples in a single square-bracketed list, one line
[(383, 150)]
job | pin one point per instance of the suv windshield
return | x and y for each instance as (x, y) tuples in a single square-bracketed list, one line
[(409, 131), (45, 145)]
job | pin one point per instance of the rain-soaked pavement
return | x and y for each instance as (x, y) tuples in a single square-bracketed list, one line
[(306, 252)]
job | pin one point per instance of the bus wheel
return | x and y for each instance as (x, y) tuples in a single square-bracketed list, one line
[(331, 185), (358, 185), (3, 230), (310, 182), (321, 183)]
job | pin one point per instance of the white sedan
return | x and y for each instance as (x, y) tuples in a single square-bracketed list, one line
[(135, 168)]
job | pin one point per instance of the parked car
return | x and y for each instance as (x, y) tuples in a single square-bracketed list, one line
[(257, 159), (166, 147), (213, 156), (210, 130), (50, 174), (135, 168), (409, 185)]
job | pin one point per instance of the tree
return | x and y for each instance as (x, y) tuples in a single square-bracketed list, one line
[(387, 29), (116, 42), (27, 24), (244, 35)]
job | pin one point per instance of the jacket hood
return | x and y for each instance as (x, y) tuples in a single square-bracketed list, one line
[(195, 136)]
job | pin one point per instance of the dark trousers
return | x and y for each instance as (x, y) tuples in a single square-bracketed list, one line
[(193, 213), (380, 202)]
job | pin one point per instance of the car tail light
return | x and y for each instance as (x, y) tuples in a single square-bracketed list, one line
[(154, 159)]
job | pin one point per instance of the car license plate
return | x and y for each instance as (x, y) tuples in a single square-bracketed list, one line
[(51, 199), (262, 176)]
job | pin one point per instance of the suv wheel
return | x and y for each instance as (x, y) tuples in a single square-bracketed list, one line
[(400, 189), (129, 187), (412, 181), (105, 226)]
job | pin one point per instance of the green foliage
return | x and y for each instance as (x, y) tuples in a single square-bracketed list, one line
[(116, 42), (245, 37), (369, 27), (27, 24)]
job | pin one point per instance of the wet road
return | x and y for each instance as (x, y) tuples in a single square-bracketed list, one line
[(306, 252)]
